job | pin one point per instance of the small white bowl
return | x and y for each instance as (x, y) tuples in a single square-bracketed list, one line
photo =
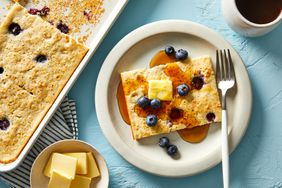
[(38, 179)]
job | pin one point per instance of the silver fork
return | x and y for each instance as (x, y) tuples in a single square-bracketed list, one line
[(225, 80)]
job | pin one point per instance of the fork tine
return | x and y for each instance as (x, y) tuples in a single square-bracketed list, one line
[(222, 66), (218, 68), (232, 72), (227, 66)]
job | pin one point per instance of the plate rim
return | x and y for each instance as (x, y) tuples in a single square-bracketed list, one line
[(128, 41)]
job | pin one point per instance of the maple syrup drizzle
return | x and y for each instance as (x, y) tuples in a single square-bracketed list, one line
[(195, 134), (161, 59), (192, 135), (122, 104)]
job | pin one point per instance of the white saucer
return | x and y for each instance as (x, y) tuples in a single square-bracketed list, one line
[(135, 51)]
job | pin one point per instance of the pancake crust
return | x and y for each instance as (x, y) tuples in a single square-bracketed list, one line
[(193, 108), (28, 88)]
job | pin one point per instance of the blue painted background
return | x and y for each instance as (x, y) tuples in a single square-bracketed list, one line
[(257, 161)]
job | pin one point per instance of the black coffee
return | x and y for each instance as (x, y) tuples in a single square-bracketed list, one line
[(260, 11)]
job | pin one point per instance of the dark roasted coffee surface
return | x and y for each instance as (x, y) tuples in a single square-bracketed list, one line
[(260, 11)]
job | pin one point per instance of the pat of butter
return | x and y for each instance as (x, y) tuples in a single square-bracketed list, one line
[(59, 181), (81, 161), (48, 167), (80, 182), (160, 89), (62, 164), (93, 170)]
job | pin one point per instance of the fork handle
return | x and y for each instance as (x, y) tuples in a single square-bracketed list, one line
[(225, 151)]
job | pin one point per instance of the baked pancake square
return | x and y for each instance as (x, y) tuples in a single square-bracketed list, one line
[(201, 106)]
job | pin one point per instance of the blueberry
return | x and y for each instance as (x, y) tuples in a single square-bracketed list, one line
[(183, 90), (210, 116), (151, 120), (169, 50), (4, 124), (181, 54), (14, 28), (1, 70), (63, 27), (41, 58), (143, 102), (33, 11), (198, 82), (43, 12), (175, 113), (172, 150), (163, 142), (169, 122), (155, 103)]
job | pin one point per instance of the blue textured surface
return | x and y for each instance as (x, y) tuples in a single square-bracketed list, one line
[(257, 161)]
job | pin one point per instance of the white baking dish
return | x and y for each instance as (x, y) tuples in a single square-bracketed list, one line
[(112, 9)]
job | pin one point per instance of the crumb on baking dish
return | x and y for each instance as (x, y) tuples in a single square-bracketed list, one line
[(84, 38)]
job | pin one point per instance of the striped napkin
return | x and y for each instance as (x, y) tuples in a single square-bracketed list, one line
[(63, 125)]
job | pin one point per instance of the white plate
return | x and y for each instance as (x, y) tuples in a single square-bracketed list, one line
[(135, 51), (37, 178), (112, 10)]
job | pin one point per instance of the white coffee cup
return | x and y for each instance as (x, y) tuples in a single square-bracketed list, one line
[(243, 26)]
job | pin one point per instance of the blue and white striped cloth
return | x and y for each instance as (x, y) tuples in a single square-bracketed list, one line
[(63, 125)]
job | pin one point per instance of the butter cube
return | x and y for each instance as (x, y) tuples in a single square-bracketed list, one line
[(160, 89), (59, 181), (93, 170), (81, 161), (62, 164), (48, 167), (80, 182)]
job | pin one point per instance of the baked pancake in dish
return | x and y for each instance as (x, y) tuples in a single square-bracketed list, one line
[(198, 107), (36, 61)]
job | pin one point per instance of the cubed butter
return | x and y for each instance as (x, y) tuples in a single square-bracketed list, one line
[(160, 89), (62, 164), (48, 166), (59, 181), (93, 170), (81, 161), (80, 182)]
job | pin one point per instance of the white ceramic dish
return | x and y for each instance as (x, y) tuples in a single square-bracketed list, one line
[(112, 10), (37, 178), (135, 51)]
